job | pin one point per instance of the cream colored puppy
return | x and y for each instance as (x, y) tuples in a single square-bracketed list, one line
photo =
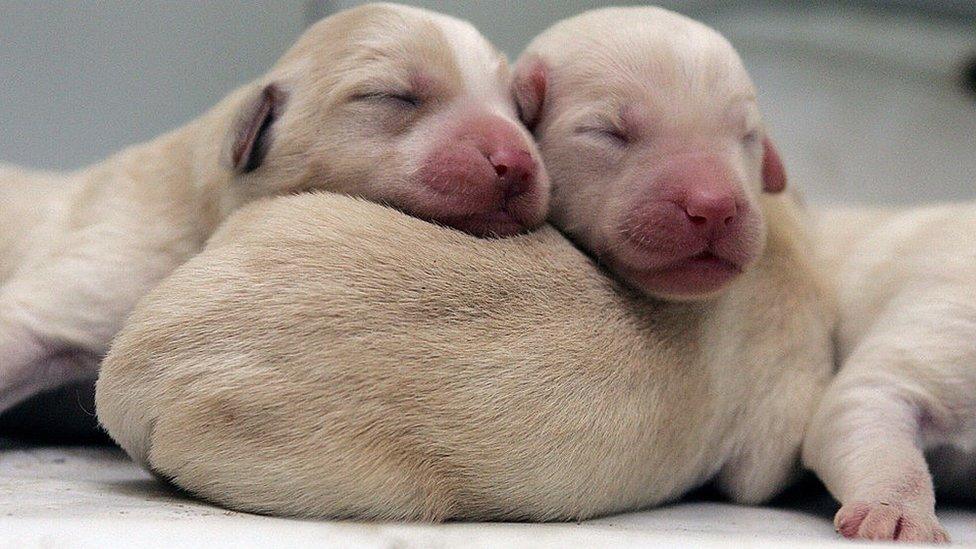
[(655, 145), (395, 104), (907, 385), (328, 357)]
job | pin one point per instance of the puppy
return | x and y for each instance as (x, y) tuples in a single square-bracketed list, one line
[(907, 385), (312, 363), (657, 149), (394, 104)]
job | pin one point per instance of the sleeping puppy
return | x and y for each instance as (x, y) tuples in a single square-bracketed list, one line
[(310, 362), (658, 159), (394, 104), (907, 385)]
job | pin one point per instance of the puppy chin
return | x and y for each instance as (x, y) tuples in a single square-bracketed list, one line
[(694, 279)]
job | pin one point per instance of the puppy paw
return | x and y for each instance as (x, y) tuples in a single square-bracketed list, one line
[(881, 520)]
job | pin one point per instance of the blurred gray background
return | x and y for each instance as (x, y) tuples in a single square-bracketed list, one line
[(864, 98)]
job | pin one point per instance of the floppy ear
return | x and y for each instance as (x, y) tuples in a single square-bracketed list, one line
[(529, 89), (253, 133), (773, 172)]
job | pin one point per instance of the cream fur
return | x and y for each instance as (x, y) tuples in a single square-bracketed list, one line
[(907, 342), (310, 362), (679, 95), (78, 250)]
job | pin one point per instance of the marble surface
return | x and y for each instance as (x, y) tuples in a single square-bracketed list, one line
[(96, 497)]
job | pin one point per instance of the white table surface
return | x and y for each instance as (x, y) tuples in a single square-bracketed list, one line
[(96, 497)]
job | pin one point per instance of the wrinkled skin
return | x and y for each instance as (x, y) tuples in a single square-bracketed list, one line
[(657, 160)]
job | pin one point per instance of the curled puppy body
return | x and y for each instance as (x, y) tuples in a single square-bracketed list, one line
[(393, 104), (310, 363), (906, 282)]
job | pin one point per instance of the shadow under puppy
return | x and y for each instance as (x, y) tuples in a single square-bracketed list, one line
[(906, 281), (310, 362), (397, 105)]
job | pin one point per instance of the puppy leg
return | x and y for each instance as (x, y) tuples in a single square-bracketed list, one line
[(29, 366), (908, 383), (50, 335), (864, 444), (44, 374)]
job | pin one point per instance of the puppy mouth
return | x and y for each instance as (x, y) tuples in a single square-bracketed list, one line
[(694, 276), (706, 260), (499, 216), (706, 263)]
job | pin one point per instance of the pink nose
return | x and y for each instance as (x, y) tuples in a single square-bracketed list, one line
[(709, 210), (516, 170)]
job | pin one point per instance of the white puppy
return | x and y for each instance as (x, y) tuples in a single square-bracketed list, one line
[(394, 104), (310, 362), (907, 341), (649, 126)]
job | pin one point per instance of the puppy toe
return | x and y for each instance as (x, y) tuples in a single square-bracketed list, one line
[(882, 522), (848, 520)]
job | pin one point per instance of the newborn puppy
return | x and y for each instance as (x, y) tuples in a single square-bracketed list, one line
[(907, 385), (312, 363), (394, 104), (655, 146)]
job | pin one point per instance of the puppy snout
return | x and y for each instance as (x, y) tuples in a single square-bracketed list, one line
[(710, 211), (486, 178), (516, 170), (707, 195)]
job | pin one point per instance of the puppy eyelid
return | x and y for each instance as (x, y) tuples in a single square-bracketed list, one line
[(406, 98), (608, 132)]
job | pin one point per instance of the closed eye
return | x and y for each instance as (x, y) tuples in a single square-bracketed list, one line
[(612, 134), (400, 98)]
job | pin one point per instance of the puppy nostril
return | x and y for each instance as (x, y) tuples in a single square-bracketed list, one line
[(729, 219), (698, 220), (501, 170)]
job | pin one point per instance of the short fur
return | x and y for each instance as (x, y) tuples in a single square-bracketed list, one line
[(649, 126), (309, 363), (312, 363), (907, 342), (78, 250)]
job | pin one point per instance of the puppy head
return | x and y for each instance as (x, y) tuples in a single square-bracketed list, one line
[(649, 127), (400, 106)]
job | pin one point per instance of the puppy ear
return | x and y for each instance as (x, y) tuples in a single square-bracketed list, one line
[(252, 134), (529, 89), (773, 172)]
